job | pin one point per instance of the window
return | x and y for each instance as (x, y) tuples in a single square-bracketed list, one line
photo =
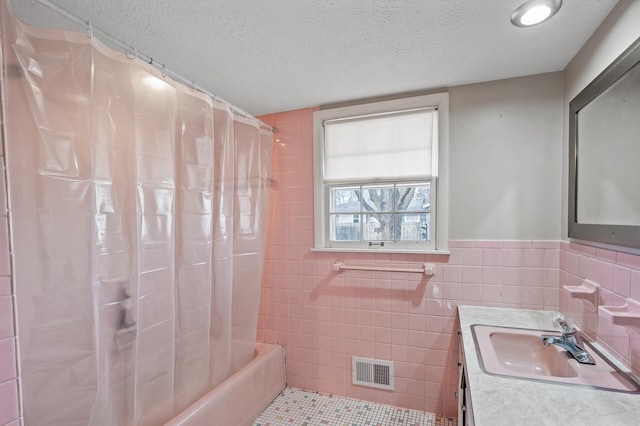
[(380, 176), (380, 213)]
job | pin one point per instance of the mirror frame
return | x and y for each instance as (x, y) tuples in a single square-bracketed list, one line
[(618, 235)]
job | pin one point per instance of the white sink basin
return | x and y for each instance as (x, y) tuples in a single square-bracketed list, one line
[(520, 353)]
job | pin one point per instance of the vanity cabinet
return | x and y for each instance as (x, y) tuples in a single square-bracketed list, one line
[(465, 411), (499, 400)]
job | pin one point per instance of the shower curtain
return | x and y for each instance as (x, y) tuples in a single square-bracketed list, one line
[(137, 219)]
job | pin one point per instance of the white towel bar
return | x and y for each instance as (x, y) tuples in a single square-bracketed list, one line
[(427, 268)]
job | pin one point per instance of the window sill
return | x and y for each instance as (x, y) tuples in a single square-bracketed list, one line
[(379, 250)]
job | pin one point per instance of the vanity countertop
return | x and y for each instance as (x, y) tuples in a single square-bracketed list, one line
[(509, 401)]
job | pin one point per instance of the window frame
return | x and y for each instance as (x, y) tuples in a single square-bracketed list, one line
[(393, 245), (439, 188)]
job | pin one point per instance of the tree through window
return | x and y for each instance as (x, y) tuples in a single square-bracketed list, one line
[(381, 212)]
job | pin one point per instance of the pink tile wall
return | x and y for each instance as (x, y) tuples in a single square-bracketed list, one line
[(323, 318), (619, 277), (9, 405)]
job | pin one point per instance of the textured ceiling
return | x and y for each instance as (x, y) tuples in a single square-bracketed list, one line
[(277, 55)]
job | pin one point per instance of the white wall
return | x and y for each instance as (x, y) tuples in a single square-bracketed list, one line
[(617, 32), (505, 158), (509, 142)]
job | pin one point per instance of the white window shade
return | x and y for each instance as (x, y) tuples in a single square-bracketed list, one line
[(389, 146)]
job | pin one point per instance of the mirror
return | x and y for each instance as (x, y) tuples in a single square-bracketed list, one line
[(604, 155)]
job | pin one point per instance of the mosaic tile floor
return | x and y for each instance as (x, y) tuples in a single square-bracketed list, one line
[(300, 408)]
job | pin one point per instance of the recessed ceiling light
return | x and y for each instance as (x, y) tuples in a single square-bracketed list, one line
[(534, 12)]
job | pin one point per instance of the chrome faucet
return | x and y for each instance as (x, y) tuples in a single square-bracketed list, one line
[(569, 341)]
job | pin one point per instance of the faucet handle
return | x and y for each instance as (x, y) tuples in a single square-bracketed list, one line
[(564, 323)]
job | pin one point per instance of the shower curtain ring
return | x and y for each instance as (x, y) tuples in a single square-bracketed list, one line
[(164, 70), (135, 54), (90, 31), (192, 86)]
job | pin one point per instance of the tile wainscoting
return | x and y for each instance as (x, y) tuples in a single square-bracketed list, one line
[(618, 275), (323, 318)]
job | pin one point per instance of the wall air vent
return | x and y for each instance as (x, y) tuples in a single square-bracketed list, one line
[(372, 372)]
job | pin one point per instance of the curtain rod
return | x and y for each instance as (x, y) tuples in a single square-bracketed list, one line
[(127, 49)]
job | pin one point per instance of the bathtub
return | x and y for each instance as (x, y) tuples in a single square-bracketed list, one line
[(240, 399)]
